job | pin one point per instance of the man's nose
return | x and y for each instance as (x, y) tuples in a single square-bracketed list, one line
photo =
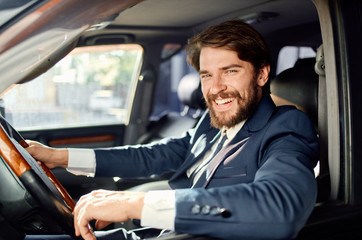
[(218, 85)]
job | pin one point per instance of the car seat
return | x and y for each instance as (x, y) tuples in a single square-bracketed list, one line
[(173, 124), (299, 86)]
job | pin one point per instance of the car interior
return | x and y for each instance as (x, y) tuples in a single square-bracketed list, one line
[(165, 98)]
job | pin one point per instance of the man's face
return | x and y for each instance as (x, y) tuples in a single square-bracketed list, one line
[(230, 86)]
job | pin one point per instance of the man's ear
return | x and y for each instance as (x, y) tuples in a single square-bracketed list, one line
[(263, 76)]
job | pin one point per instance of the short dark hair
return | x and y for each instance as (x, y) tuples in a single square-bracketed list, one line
[(234, 35)]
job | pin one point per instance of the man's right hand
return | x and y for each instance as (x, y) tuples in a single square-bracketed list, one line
[(51, 157)]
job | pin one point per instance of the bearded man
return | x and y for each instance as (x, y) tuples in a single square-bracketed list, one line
[(260, 185)]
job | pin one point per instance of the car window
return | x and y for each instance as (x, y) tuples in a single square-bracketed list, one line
[(91, 86), (289, 55)]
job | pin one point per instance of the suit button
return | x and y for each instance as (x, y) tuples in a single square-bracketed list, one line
[(205, 209), (225, 213), (195, 209), (215, 211)]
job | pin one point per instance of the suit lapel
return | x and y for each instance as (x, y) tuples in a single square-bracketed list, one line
[(227, 151), (202, 144)]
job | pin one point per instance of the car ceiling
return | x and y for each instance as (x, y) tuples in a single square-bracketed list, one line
[(180, 19), (155, 22)]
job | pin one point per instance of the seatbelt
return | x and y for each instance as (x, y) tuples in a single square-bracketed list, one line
[(326, 164)]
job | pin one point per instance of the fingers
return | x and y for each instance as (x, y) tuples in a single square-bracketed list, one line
[(101, 224), (82, 218), (33, 143), (35, 148), (78, 214), (88, 236), (83, 227)]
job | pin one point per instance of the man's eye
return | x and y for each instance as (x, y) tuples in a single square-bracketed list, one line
[(205, 76), (231, 71)]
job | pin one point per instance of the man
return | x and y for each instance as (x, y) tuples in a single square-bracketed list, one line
[(260, 184)]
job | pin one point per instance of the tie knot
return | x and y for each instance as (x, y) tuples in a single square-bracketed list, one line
[(223, 136), (221, 143)]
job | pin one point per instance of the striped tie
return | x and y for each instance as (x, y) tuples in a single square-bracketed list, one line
[(205, 163)]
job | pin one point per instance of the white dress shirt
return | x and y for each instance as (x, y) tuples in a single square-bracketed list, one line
[(159, 206)]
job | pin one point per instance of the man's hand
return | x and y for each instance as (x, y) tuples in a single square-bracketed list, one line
[(106, 207), (51, 157)]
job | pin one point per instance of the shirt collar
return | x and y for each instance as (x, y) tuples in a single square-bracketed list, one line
[(231, 132)]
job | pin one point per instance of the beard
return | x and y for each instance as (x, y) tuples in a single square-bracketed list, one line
[(247, 102)]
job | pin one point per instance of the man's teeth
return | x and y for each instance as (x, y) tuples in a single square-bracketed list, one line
[(223, 101)]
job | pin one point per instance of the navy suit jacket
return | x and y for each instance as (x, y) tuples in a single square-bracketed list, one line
[(262, 185)]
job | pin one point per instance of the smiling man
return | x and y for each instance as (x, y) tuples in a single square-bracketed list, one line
[(244, 172)]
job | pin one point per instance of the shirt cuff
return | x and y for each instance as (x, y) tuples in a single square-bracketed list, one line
[(81, 161), (159, 210)]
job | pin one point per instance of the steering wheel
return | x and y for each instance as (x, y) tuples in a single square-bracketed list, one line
[(39, 181)]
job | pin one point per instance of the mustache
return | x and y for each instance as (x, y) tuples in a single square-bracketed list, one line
[(235, 94)]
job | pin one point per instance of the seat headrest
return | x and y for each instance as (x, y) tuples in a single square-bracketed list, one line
[(299, 85), (189, 91)]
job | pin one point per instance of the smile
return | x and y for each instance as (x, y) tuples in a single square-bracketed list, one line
[(224, 101)]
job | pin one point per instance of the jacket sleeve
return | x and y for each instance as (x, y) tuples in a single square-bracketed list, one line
[(142, 160), (275, 205)]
